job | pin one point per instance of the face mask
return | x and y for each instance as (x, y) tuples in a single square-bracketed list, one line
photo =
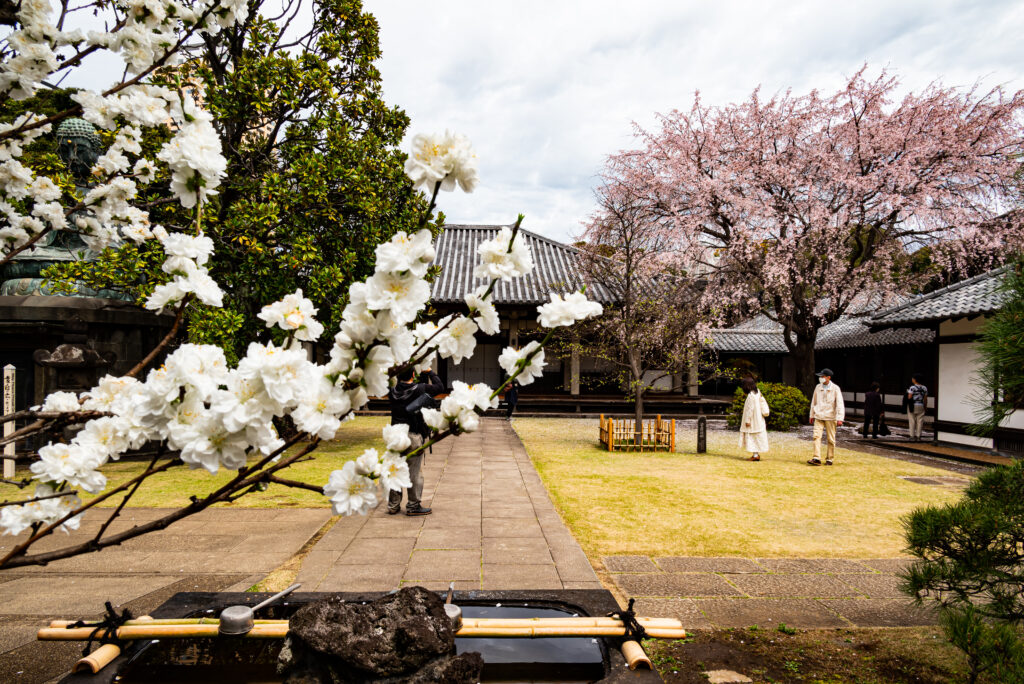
[(823, 381)]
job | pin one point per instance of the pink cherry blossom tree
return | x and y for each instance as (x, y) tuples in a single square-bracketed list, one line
[(803, 204), (652, 329)]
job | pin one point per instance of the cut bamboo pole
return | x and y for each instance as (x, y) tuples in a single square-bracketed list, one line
[(97, 660), (635, 656), (665, 628), (62, 624), (102, 656), (584, 621), (569, 621)]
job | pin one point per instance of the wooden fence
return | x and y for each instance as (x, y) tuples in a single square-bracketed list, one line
[(656, 434)]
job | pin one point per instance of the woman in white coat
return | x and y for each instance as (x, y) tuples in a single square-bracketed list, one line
[(753, 430)]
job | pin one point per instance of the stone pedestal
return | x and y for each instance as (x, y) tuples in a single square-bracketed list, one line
[(68, 343)]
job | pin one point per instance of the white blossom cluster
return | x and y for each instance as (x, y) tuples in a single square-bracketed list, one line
[(448, 159), (16, 519), (186, 262), (216, 416), (144, 33)]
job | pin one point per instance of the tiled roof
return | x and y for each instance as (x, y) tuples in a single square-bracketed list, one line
[(555, 268), (851, 332), (761, 335), (972, 297), (749, 341)]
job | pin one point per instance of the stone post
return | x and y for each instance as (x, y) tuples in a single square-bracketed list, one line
[(9, 425), (702, 434)]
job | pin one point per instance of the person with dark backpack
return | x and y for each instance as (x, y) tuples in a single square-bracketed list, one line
[(410, 395)]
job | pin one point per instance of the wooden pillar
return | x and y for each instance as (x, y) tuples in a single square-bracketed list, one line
[(935, 388), (574, 372)]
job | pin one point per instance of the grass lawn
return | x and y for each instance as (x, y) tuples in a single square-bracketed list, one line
[(720, 504), (174, 487)]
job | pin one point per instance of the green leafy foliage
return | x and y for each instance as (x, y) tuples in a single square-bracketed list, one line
[(788, 406), (315, 177), (971, 561), (1000, 348)]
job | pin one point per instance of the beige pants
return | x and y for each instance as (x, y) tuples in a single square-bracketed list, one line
[(915, 420), (828, 427), (415, 492)]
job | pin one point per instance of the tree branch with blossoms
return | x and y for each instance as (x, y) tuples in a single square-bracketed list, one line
[(195, 409)]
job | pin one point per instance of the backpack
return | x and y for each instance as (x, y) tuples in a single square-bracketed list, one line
[(414, 417)]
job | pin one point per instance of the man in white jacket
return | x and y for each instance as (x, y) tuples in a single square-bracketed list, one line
[(827, 411)]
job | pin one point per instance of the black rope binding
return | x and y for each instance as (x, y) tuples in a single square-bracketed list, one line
[(634, 630), (105, 631)]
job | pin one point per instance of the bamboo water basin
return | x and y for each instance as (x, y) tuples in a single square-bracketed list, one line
[(523, 658)]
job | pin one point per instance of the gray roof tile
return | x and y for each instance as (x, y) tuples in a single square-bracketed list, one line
[(972, 297), (555, 269), (748, 341), (761, 335)]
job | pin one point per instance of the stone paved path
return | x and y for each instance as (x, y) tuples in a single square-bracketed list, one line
[(741, 592), (493, 527), (220, 549)]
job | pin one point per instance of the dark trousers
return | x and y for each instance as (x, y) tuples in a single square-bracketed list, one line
[(873, 420)]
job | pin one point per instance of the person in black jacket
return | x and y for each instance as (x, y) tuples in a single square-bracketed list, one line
[(873, 410), (409, 396), (511, 398)]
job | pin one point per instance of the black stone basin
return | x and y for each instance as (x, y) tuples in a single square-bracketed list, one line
[(252, 661)]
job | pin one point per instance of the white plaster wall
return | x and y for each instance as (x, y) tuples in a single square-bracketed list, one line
[(962, 326), (663, 384), (957, 363), (957, 366)]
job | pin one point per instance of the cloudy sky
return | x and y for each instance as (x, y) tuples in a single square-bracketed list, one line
[(546, 90)]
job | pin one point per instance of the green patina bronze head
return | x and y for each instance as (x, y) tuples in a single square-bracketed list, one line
[(78, 146)]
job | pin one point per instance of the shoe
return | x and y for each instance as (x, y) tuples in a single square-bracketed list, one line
[(417, 511), (755, 457), (814, 462), (828, 462), (393, 511)]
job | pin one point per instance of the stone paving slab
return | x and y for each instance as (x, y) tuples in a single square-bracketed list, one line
[(794, 586), (801, 592), (493, 526), (684, 610), (875, 586), (769, 613), (675, 584), (629, 564), (215, 550), (720, 565)]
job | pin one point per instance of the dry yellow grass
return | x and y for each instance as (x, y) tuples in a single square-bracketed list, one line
[(720, 504)]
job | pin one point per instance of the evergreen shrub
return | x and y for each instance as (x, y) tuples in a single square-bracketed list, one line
[(788, 405), (971, 562)]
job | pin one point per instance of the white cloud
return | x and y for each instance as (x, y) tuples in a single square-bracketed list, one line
[(546, 90)]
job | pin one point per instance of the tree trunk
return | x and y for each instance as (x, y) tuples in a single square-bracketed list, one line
[(803, 360), (638, 396)]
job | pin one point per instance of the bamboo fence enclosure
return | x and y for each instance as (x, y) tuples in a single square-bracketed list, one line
[(656, 434)]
